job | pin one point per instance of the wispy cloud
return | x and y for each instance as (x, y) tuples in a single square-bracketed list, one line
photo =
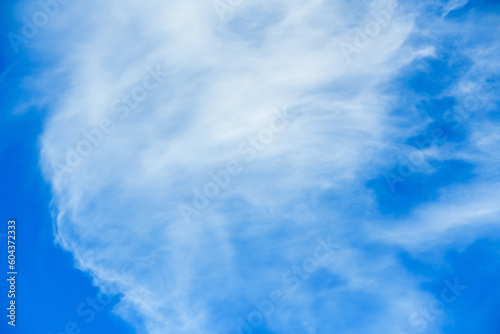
[(453, 5), (7, 71), (118, 212)]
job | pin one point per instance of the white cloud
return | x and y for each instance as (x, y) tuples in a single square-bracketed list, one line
[(222, 83), (453, 5)]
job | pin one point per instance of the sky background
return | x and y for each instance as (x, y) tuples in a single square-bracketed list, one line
[(252, 166), (49, 288)]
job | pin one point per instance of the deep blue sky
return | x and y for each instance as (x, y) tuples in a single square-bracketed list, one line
[(388, 213), (49, 288)]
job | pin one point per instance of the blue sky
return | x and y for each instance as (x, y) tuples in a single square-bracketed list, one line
[(252, 166)]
